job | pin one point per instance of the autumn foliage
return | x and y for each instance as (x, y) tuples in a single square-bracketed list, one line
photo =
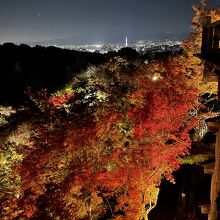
[(194, 67), (99, 148)]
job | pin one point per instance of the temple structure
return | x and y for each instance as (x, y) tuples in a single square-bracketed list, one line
[(210, 53)]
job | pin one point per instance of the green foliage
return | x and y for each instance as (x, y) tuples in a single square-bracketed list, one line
[(195, 159), (95, 89), (5, 112), (3, 121), (9, 157), (67, 89)]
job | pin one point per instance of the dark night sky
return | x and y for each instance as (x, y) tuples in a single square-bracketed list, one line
[(94, 20)]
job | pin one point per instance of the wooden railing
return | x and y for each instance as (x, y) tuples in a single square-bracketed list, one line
[(210, 37)]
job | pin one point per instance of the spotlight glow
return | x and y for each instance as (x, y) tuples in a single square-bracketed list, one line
[(154, 78)]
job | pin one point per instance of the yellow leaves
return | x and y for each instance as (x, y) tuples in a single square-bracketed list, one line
[(8, 157), (195, 159), (21, 135), (7, 110), (3, 159), (210, 87), (76, 189), (3, 121), (150, 200), (77, 204), (66, 90), (16, 213), (101, 96), (95, 200), (13, 213), (110, 166)]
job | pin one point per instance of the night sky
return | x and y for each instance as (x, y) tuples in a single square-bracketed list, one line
[(92, 21)]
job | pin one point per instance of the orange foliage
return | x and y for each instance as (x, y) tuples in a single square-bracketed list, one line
[(105, 164), (58, 101)]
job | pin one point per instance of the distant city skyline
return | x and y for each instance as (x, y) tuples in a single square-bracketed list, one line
[(90, 21), (140, 46)]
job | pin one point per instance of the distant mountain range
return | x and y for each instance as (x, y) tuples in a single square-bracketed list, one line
[(93, 39), (58, 42)]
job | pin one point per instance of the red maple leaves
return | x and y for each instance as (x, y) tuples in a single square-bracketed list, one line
[(108, 159)]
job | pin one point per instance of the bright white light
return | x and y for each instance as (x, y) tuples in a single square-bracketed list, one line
[(98, 45), (154, 78), (17, 196)]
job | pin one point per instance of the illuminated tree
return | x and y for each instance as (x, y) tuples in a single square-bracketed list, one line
[(104, 142), (194, 67)]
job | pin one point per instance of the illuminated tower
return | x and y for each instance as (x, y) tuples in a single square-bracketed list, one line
[(126, 42)]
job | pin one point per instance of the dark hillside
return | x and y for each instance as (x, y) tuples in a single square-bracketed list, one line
[(39, 67)]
